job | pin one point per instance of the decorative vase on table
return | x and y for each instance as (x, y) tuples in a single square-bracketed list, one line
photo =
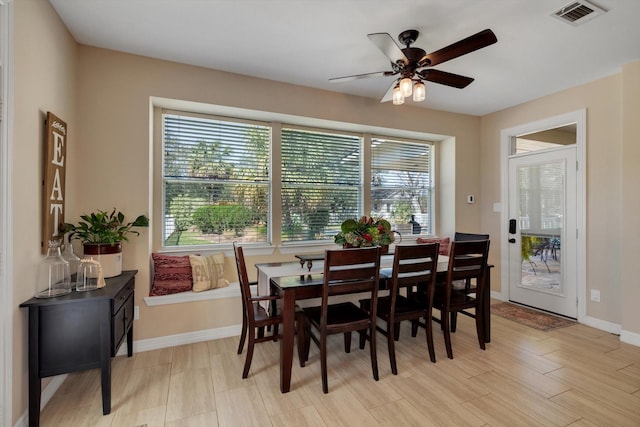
[(365, 232), (53, 278)]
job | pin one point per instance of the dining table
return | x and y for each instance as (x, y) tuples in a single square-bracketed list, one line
[(293, 281)]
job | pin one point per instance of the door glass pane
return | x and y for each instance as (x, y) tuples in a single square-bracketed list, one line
[(541, 213)]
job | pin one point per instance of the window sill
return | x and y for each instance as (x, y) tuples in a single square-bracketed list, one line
[(231, 291)]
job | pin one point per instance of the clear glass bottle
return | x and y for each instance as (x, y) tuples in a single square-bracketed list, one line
[(53, 278), (73, 260)]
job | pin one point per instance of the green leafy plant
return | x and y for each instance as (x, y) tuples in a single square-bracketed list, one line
[(101, 227)]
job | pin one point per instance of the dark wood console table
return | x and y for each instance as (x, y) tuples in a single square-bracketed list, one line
[(79, 331)]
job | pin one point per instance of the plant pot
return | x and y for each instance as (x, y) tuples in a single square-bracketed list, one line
[(109, 257)]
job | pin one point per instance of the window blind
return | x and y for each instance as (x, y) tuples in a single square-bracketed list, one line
[(402, 182), (321, 183), (215, 180)]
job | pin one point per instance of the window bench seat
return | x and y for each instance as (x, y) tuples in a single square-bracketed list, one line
[(231, 291)]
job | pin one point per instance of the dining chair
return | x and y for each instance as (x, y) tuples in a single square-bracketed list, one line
[(466, 285), (413, 266), (254, 317), (346, 271), (467, 262)]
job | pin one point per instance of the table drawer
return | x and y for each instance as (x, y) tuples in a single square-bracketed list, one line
[(121, 322), (122, 295)]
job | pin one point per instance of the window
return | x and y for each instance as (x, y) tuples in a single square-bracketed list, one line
[(402, 184), (321, 183), (215, 181), (218, 185)]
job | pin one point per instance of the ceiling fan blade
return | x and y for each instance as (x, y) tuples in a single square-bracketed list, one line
[(362, 76), (385, 43), (444, 78), (389, 95), (459, 48)]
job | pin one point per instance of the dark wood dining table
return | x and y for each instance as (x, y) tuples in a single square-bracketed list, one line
[(305, 285)]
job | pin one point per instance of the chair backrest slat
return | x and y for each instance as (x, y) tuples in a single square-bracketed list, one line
[(350, 271), (467, 260), (414, 264)]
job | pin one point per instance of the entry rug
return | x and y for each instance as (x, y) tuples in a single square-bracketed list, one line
[(529, 317)]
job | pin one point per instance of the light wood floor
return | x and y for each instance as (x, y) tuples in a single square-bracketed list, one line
[(576, 376)]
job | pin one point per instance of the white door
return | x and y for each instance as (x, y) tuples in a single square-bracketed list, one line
[(543, 230)]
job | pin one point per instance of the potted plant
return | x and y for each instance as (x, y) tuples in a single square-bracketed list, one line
[(365, 232), (102, 234)]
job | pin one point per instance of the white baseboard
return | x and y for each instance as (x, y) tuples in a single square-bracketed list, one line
[(630, 337), (498, 295), (181, 339), (603, 325)]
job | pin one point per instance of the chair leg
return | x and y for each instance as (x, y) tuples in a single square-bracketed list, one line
[(428, 321), (363, 339), (243, 334), (396, 331), (454, 320), (446, 330), (261, 332), (347, 342), (479, 328), (276, 328), (323, 362), (374, 356), (391, 333), (414, 328), (304, 338), (247, 362)]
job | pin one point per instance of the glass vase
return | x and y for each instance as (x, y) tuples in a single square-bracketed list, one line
[(54, 278), (73, 260)]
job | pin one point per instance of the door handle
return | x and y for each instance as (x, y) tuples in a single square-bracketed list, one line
[(512, 240), (512, 226)]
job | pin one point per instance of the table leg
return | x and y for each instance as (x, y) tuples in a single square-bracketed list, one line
[(105, 358), (286, 343), (487, 307), (34, 375)]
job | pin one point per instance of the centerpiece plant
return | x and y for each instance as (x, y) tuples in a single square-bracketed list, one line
[(365, 232)]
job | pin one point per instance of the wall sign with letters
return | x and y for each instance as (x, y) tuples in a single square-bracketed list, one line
[(54, 179)]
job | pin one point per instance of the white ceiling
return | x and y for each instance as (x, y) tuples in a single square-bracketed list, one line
[(306, 42)]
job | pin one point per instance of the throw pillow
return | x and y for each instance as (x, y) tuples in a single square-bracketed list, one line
[(444, 243), (208, 272), (171, 274)]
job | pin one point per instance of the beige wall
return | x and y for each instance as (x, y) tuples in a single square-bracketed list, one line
[(630, 177), (44, 73), (114, 90), (605, 172)]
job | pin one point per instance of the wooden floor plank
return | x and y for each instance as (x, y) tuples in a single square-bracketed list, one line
[(575, 376)]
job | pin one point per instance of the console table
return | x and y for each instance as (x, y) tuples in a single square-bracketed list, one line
[(79, 331)]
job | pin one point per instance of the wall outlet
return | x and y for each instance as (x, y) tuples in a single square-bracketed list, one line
[(136, 313), (595, 295)]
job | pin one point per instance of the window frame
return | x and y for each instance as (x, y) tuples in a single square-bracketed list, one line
[(276, 122)]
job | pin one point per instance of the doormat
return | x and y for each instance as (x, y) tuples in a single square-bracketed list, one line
[(530, 317)]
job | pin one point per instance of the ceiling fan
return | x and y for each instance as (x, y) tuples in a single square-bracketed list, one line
[(413, 65)]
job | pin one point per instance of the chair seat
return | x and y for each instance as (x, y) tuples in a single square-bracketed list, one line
[(458, 299), (262, 318), (338, 314), (403, 305)]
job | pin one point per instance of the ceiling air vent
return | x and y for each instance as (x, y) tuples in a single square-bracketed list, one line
[(578, 12)]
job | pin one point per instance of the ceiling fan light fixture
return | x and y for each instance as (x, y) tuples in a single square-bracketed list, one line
[(419, 91), (406, 86), (398, 99)]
